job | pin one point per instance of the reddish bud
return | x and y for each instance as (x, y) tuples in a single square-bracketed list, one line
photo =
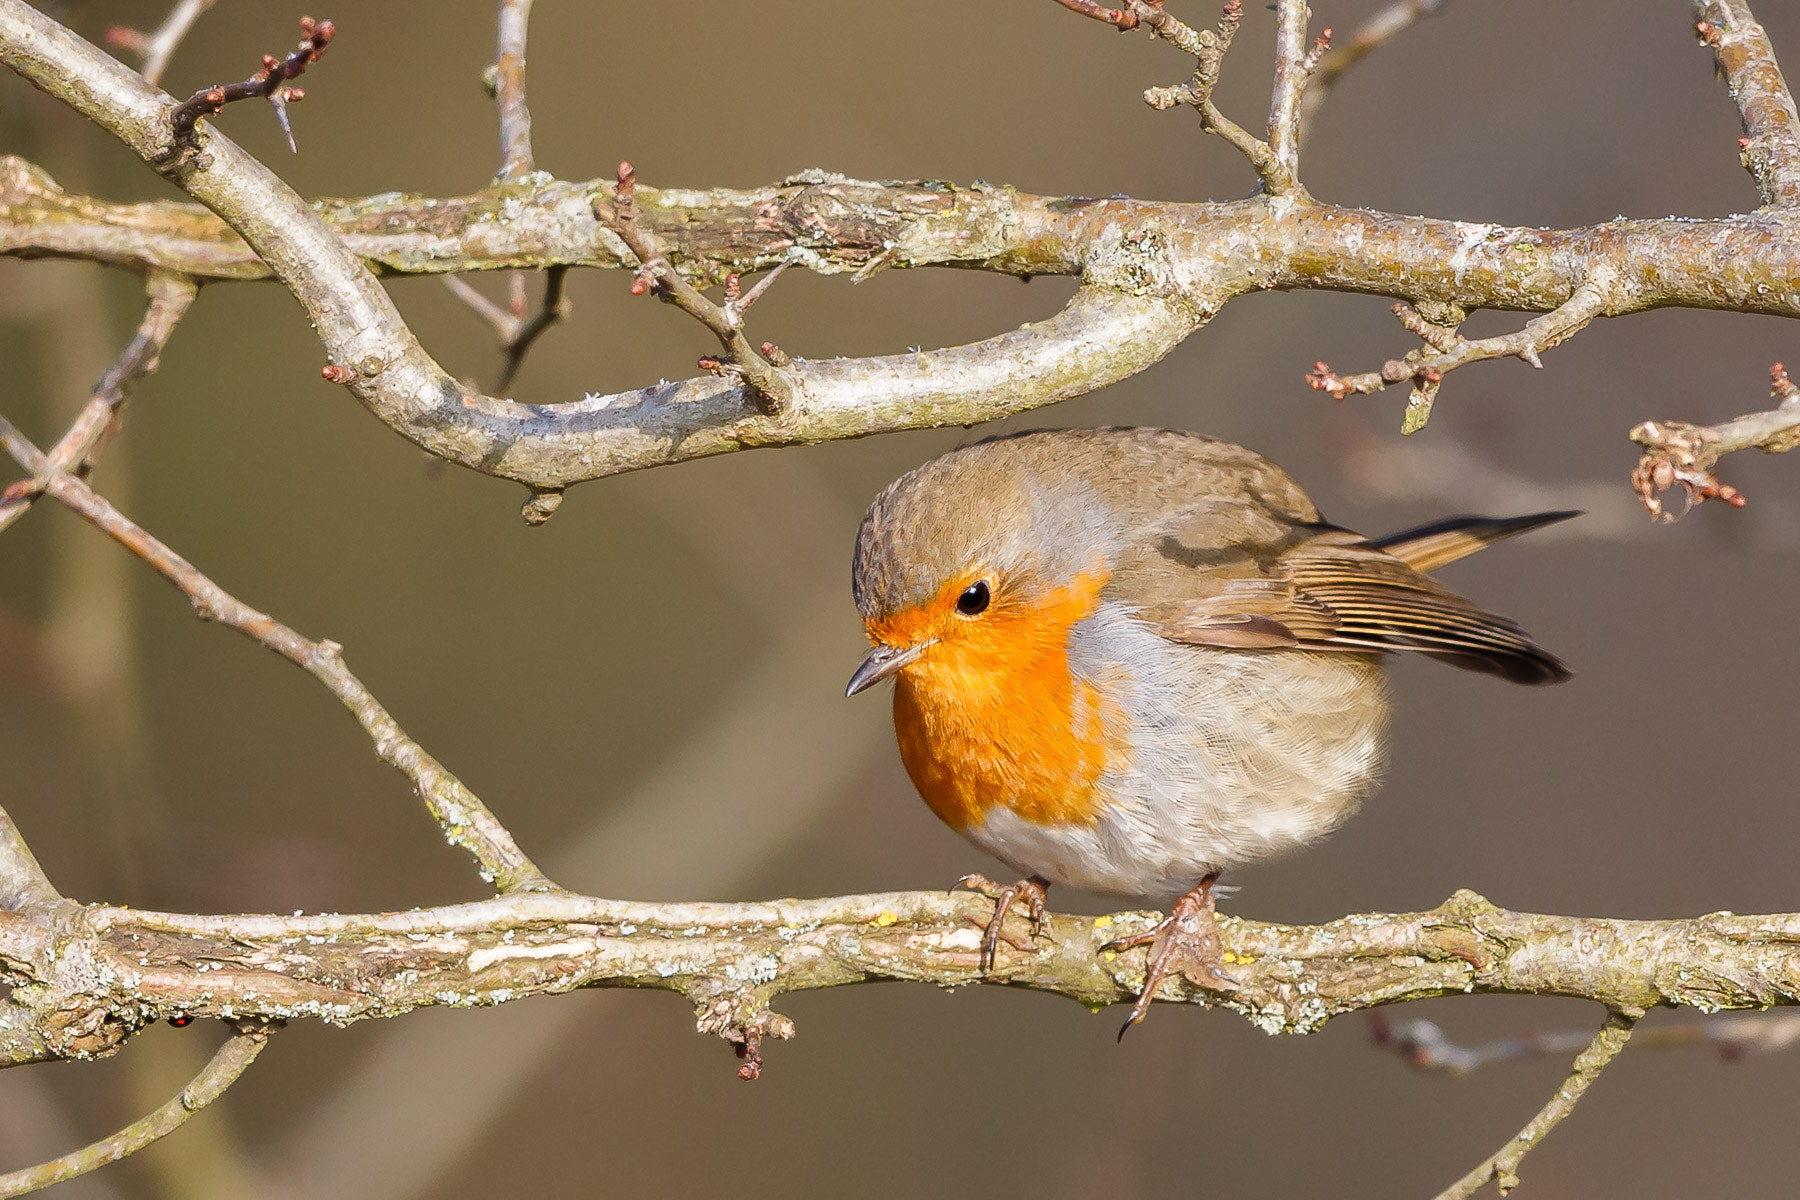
[(335, 374), (294, 94)]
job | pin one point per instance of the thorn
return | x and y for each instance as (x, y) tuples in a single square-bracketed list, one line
[(1530, 355), (278, 102)]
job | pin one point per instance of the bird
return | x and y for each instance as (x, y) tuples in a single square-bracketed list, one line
[(1129, 659)]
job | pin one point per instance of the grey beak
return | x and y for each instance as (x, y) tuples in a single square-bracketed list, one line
[(882, 662)]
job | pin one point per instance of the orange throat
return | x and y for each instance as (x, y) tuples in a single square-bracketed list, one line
[(992, 716)]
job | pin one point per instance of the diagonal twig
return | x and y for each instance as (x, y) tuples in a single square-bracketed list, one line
[(158, 46), (1376, 32), (80, 446), (464, 819), (1677, 452), (763, 371), (1771, 145), (231, 1061), (1502, 1166), (270, 83)]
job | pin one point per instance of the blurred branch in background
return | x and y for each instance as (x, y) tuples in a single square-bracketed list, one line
[(1422, 1045)]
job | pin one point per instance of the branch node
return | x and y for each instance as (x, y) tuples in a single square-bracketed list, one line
[(268, 83)]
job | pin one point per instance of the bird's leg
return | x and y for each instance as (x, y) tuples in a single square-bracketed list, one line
[(1185, 941), (1034, 891)]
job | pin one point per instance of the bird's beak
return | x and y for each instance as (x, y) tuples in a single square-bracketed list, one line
[(884, 661)]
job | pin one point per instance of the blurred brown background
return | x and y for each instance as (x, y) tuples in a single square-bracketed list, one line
[(648, 690)]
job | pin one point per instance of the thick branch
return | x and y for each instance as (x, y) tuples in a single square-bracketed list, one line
[(1503, 1166), (231, 1061), (1771, 126), (465, 820), (79, 447), (1677, 452), (105, 972)]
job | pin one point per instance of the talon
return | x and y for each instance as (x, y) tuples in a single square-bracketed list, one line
[(1034, 891), (1185, 942)]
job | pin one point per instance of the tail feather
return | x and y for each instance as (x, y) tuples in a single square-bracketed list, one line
[(1440, 543)]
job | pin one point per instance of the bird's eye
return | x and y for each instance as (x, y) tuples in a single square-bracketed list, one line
[(974, 599)]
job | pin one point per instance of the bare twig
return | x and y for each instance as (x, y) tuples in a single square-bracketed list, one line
[(1295, 62), (1376, 32), (1677, 452), (516, 331), (465, 820), (1445, 350), (270, 83), (1502, 1167), (1277, 161), (1771, 145), (78, 448), (23, 885), (1425, 1047), (509, 91), (157, 47), (765, 370), (231, 1061)]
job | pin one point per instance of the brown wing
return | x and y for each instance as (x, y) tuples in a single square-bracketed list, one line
[(1261, 583)]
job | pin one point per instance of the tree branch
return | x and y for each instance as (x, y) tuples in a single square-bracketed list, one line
[(157, 47), (1425, 1047), (1677, 452), (1502, 1167), (98, 977), (1445, 349), (1376, 32), (78, 449), (464, 819), (23, 885), (231, 1061), (1771, 147), (509, 91)]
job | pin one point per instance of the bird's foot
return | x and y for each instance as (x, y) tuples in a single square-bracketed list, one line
[(1033, 891), (1186, 942)]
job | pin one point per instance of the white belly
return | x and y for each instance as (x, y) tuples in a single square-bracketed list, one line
[(1235, 756)]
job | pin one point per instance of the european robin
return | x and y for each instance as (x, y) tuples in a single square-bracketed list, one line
[(1129, 659)]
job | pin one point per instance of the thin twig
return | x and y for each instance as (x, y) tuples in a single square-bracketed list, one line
[(517, 332), (509, 91), (78, 448), (156, 48), (1422, 1045), (763, 371), (1445, 350), (1771, 145), (465, 820), (270, 83), (1677, 452), (1376, 32), (1502, 1166), (231, 1061)]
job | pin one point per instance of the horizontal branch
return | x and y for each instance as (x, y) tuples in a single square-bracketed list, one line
[(100, 974)]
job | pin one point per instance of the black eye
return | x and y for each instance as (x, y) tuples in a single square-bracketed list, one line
[(974, 600)]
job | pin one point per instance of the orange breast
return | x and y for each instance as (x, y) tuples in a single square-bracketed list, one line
[(992, 715)]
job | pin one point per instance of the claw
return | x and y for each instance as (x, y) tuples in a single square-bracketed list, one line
[(1185, 942), (1033, 891)]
